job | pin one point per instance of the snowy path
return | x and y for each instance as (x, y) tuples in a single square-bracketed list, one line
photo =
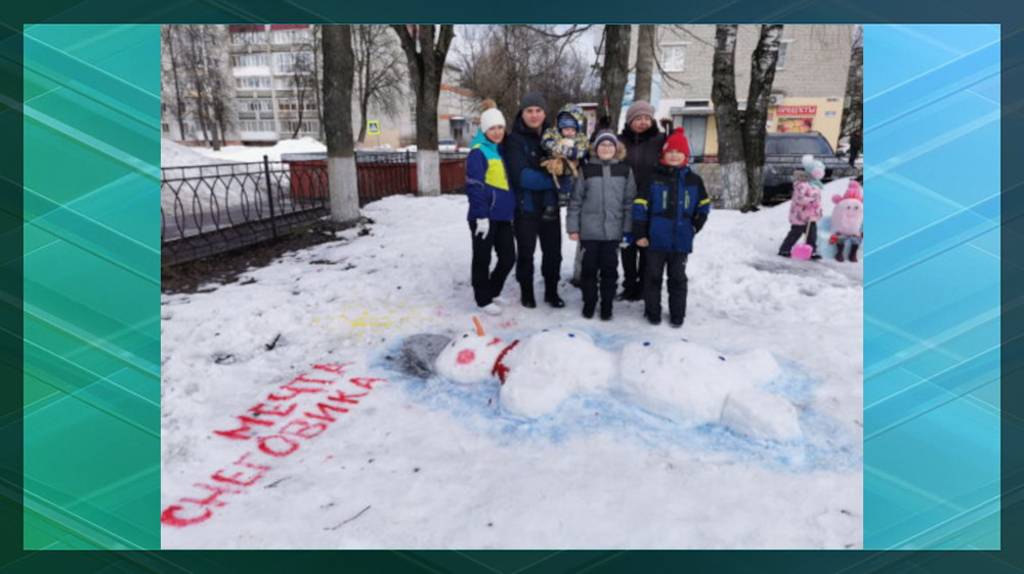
[(428, 465)]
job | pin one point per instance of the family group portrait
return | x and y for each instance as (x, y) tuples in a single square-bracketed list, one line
[(512, 286)]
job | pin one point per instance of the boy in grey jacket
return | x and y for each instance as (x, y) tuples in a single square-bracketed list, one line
[(600, 216)]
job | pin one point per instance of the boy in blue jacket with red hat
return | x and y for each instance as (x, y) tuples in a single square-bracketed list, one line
[(666, 217)]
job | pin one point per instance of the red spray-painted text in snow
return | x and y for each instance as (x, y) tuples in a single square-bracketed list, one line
[(277, 426)]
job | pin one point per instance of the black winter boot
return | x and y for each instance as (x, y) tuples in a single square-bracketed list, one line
[(588, 310), (527, 296), (606, 310), (551, 297), (853, 253), (840, 247)]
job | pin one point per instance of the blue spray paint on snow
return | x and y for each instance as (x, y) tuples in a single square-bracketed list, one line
[(825, 445)]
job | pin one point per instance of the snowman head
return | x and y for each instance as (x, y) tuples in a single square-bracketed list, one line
[(470, 357)]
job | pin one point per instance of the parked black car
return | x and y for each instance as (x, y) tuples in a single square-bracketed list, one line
[(783, 153)]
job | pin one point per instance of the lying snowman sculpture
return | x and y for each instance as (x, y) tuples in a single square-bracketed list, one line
[(685, 382)]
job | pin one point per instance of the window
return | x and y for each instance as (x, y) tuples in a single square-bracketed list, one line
[(260, 105), (165, 127), (783, 53), (249, 60), (673, 56), (293, 36), (285, 62), (256, 125), (307, 126), (253, 82), (247, 38)]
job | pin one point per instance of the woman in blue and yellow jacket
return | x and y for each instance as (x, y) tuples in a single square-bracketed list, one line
[(492, 205)]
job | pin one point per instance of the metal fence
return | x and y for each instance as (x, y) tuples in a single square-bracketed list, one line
[(212, 209), (392, 173)]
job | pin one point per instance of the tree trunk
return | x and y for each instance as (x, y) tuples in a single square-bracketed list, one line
[(853, 105), (425, 59), (317, 86), (615, 71), (644, 63), (364, 106), (727, 117), (762, 76), (339, 64)]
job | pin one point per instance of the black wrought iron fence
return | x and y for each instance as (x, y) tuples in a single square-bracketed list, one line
[(211, 209)]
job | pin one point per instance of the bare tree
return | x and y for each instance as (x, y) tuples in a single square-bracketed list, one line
[(503, 63), (206, 81), (853, 105), (167, 36), (426, 48), (195, 71), (317, 33), (378, 72), (645, 62), (755, 124), (615, 70), (302, 80), (730, 134), (218, 76), (339, 67)]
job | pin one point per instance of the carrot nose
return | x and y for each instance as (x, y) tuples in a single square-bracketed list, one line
[(479, 327)]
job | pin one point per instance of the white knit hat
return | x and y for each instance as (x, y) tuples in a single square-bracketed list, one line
[(490, 118)]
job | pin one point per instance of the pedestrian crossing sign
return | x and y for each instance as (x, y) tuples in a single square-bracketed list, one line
[(373, 127)]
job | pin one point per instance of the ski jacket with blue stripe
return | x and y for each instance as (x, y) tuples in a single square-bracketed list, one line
[(672, 209)]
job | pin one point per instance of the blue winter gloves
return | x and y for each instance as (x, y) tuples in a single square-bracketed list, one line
[(627, 240)]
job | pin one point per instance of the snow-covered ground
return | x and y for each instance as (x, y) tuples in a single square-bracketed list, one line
[(433, 464), (243, 153)]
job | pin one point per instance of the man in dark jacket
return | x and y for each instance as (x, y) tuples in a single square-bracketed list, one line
[(523, 154), (643, 141)]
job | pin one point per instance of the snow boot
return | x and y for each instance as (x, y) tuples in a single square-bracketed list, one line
[(551, 298), (527, 296), (588, 310), (853, 253), (491, 309), (840, 247), (606, 311), (653, 319), (677, 323)]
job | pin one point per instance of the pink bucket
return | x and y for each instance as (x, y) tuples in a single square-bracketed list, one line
[(802, 252)]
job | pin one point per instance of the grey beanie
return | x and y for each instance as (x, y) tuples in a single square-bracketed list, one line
[(639, 108), (533, 99), (605, 135)]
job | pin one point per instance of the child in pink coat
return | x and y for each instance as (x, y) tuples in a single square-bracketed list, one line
[(805, 208)]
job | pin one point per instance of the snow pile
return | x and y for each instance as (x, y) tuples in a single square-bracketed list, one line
[(552, 366), (243, 153), (173, 154)]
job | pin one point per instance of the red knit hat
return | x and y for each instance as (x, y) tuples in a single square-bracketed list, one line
[(677, 141)]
